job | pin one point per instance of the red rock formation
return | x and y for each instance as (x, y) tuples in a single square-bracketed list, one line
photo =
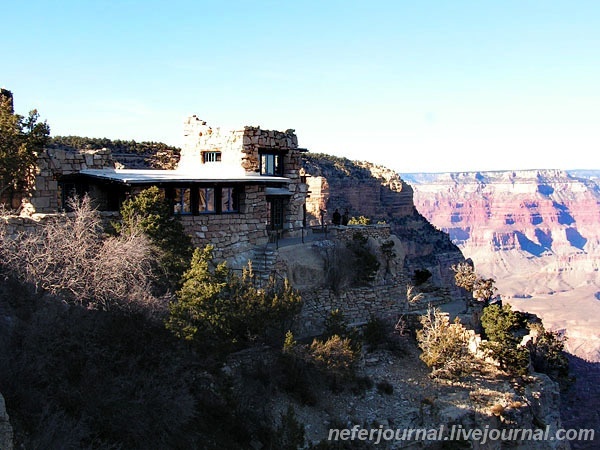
[(537, 212), (536, 232)]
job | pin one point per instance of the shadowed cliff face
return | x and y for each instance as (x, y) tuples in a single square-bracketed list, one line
[(536, 232), (380, 194)]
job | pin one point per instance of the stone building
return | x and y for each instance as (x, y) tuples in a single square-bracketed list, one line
[(235, 189)]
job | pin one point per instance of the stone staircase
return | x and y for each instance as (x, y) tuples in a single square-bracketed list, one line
[(263, 262)]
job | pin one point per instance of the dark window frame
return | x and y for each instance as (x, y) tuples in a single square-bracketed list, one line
[(277, 209), (179, 200), (211, 156), (217, 191), (213, 192), (274, 168), (68, 189), (233, 195)]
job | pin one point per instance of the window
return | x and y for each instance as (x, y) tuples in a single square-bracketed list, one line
[(182, 202), (67, 190), (229, 200), (208, 157), (271, 164), (206, 200), (276, 213), (214, 199)]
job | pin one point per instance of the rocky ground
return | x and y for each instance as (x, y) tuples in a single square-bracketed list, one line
[(402, 396), (579, 404)]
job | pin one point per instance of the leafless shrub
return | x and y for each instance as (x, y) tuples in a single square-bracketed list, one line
[(412, 296), (483, 289), (444, 345), (401, 327), (70, 256)]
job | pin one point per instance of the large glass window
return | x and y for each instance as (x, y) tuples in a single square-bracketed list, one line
[(229, 199), (206, 200), (182, 201), (271, 164)]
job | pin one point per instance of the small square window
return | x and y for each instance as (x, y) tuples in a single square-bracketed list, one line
[(209, 157), (271, 164)]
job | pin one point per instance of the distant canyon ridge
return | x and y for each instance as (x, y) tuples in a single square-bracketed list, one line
[(537, 232)]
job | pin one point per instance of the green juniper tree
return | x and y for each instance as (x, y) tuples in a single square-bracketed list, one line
[(21, 139), (501, 325), (216, 306), (150, 213)]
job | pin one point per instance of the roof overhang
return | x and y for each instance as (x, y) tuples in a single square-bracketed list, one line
[(143, 177), (281, 192)]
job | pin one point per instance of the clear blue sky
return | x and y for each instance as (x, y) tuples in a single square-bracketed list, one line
[(416, 85)]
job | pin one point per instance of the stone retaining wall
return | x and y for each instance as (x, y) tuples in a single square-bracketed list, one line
[(31, 224), (346, 233), (19, 224), (358, 305)]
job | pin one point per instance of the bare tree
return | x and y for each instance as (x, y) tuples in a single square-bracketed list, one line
[(445, 345), (412, 296), (483, 289), (70, 256)]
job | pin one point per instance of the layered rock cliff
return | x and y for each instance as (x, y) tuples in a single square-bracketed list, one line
[(376, 192), (536, 232)]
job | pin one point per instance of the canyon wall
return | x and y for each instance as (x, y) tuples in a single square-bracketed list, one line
[(378, 193), (536, 232)]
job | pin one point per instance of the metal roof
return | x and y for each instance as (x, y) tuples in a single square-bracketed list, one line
[(143, 176)]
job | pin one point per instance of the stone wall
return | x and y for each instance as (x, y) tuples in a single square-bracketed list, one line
[(379, 232), (54, 163), (240, 148), (358, 305), (25, 224), (384, 301), (234, 236), (199, 137), (15, 225), (255, 139), (308, 266)]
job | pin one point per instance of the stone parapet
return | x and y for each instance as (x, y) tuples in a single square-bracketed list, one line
[(346, 233)]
